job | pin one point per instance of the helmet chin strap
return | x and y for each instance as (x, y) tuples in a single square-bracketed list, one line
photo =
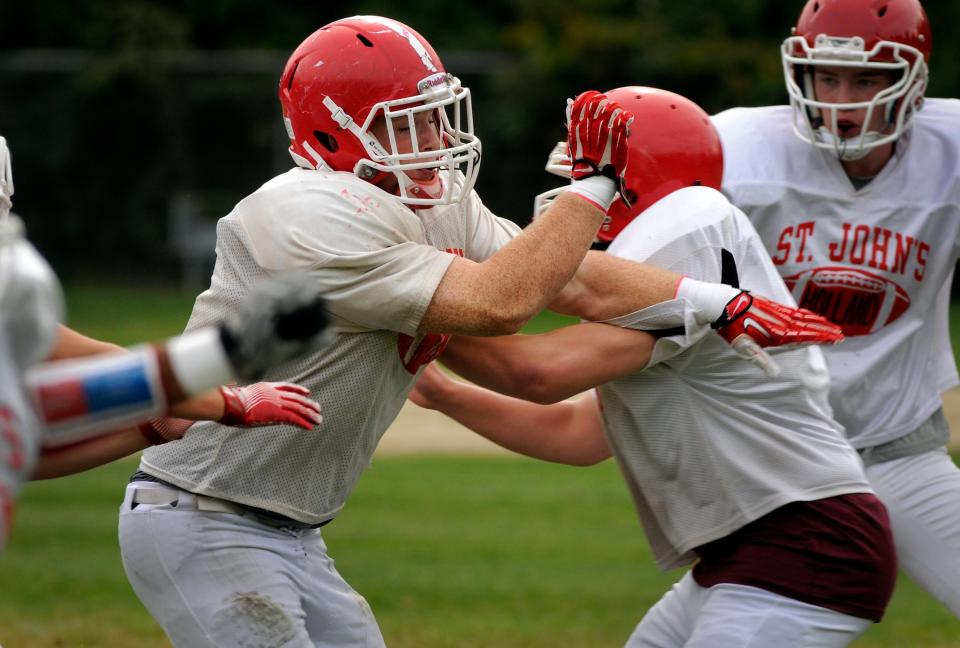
[(432, 189)]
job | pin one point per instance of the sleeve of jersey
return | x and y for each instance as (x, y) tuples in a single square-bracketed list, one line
[(687, 236), (488, 232), (369, 254)]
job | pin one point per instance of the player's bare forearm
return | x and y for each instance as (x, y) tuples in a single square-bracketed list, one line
[(570, 432), (553, 366), (606, 286), (208, 406), (71, 344), (60, 462), (499, 295)]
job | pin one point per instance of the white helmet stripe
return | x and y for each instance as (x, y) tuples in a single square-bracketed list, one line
[(417, 46)]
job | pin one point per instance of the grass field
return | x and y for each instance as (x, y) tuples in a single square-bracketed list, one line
[(450, 551)]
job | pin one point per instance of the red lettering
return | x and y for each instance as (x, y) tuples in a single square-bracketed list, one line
[(922, 252), (784, 246), (802, 230), (838, 252), (903, 253), (881, 238), (860, 231)]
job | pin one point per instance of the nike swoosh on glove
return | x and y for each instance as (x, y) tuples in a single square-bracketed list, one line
[(750, 323)]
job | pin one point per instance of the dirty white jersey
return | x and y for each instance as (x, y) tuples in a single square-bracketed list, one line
[(878, 261), (31, 308), (378, 263), (707, 442), (20, 432)]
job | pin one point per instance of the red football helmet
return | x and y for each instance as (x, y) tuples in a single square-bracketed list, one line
[(673, 144), (364, 71), (891, 35)]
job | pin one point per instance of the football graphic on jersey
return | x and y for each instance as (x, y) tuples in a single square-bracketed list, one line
[(859, 301)]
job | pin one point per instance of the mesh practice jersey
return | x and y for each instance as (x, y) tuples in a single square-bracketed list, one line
[(878, 261), (379, 264), (707, 442)]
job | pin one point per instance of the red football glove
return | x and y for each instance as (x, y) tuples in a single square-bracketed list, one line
[(750, 322), (597, 134), (269, 403)]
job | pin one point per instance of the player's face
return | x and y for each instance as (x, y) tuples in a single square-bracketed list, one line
[(850, 85), (427, 133)]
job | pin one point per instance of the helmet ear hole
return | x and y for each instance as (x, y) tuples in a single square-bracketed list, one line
[(631, 196), (327, 141), (293, 73)]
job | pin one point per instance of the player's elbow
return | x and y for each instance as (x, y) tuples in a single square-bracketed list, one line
[(591, 458), (508, 324), (543, 384), (589, 306), (506, 318), (586, 448)]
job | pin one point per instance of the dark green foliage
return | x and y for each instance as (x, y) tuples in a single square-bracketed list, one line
[(142, 100)]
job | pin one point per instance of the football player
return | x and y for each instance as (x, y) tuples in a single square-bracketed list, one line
[(744, 472), (220, 533), (69, 411), (854, 189)]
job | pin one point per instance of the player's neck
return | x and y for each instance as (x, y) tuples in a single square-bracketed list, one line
[(871, 164)]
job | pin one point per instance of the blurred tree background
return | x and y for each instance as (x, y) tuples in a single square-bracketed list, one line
[(121, 112)]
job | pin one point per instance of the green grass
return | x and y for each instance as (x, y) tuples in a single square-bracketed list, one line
[(450, 551), (127, 315)]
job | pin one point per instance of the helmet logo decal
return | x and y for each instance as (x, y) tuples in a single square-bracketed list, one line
[(432, 82), (414, 42)]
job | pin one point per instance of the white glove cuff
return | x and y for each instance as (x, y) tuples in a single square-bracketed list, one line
[(708, 299), (199, 361), (598, 189)]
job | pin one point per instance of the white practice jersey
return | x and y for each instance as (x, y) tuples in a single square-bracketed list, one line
[(707, 442), (31, 308), (878, 260), (20, 431), (379, 264)]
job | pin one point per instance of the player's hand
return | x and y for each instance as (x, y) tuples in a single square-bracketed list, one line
[(750, 323), (558, 161), (269, 403), (597, 133), (429, 386), (283, 318)]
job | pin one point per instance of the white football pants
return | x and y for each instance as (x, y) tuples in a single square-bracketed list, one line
[(922, 496), (739, 616), (216, 578)]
